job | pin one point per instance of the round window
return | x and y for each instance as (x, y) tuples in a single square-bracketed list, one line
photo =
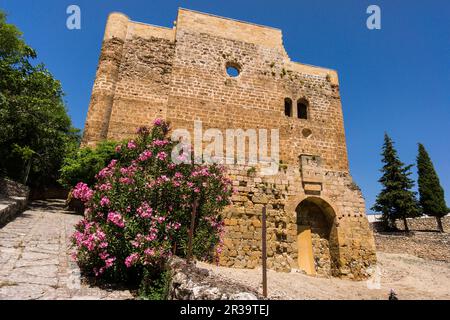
[(232, 70)]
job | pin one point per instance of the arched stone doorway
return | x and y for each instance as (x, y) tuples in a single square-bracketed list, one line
[(316, 237)]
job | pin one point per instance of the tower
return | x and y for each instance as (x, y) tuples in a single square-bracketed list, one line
[(232, 74)]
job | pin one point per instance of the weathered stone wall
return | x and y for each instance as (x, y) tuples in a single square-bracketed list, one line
[(13, 199), (352, 244), (180, 74), (421, 242), (418, 224), (9, 188)]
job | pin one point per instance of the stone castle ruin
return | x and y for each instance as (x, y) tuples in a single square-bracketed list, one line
[(315, 213)]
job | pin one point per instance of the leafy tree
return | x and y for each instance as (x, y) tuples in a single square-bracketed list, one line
[(396, 200), (83, 164), (35, 130), (431, 194)]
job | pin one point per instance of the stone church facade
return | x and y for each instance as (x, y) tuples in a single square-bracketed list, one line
[(315, 213)]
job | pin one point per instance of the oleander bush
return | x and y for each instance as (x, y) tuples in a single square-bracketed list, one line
[(138, 213)]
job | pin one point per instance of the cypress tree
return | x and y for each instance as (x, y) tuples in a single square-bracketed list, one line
[(396, 200), (431, 194)]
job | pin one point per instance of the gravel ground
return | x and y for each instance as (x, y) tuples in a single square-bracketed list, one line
[(410, 277)]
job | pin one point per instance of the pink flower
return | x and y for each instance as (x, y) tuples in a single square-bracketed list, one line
[(104, 173), (161, 219), (162, 179), (104, 202), (109, 262), (178, 175), (176, 225), (112, 164), (131, 260), (105, 187), (161, 155), (98, 272), (82, 192), (176, 184), (149, 252), (131, 145), (144, 211), (128, 171), (171, 166), (151, 236), (126, 180), (103, 255), (116, 218), (160, 143), (182, 157), (145, 155), (118, 148), (157, 122)]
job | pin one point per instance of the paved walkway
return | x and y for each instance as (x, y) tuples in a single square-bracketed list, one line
[(35, 261)]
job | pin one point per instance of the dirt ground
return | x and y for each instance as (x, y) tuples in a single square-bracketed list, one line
[(409, 276)]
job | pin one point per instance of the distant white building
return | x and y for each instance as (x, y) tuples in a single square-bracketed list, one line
[(373, 217), (377, 217)]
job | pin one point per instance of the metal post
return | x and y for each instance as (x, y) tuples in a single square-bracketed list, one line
[(191, 232), (264, 252)]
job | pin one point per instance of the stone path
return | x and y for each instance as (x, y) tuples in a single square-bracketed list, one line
[(35, 261)]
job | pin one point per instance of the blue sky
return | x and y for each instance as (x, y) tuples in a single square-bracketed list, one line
[(396, 79)]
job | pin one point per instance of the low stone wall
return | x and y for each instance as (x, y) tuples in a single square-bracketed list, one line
[(422, 244), (424, 241), (417, 224), (13, 199), (9, 188), (192, 283), (10, 207)]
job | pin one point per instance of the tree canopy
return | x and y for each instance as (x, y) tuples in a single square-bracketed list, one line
[(396, 200), (36, 131), (431, 194), (84, 164)]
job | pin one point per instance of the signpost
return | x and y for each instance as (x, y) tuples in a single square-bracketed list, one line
[(264, 252), (191, 231)]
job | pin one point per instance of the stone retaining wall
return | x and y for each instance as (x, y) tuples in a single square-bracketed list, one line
[(13, 199), (417, 224), (9, 188)]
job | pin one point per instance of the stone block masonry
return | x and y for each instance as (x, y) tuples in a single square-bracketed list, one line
[(180, 74), (13, 200)]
